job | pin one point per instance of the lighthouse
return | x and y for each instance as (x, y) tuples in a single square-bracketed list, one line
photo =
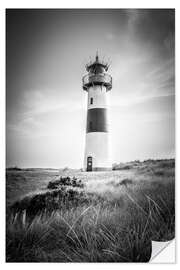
[(97, 83)]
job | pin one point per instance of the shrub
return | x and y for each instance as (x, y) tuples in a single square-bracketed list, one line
[(49, 201), (65, 181), (65, 169), (159, 172), (126, 182), (167, 163), (15, 168)]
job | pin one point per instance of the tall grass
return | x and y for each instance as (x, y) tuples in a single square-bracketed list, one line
[(94, 233), (83, 234), (71, 224)]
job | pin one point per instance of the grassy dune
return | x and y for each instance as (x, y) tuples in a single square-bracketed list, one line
[(97, 217)]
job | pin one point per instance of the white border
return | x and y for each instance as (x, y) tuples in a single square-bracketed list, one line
[(89, 4), (75, 4)]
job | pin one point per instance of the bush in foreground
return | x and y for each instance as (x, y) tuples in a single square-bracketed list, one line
[(65, 181)]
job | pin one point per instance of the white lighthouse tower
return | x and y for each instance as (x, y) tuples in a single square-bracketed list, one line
[(97, 149)]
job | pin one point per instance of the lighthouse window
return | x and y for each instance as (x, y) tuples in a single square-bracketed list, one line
[(91, 101)]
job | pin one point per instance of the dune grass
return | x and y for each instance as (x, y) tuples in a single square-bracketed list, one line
[(110, 221)]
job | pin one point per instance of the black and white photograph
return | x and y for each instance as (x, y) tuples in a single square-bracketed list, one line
[(90, 134)]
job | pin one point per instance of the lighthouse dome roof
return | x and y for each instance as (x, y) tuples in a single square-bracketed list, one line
[(97, 66)]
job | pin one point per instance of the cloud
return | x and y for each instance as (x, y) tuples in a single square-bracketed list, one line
[(45, 101)]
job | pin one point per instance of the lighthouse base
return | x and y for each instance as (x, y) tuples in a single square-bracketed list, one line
[(97, 157)]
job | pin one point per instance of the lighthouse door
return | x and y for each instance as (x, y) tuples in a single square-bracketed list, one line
[(89, 164)]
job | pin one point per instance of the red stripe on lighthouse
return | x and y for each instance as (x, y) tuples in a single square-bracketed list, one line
[(97, 120)]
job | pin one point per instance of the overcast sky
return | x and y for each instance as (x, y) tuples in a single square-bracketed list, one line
[(45, 105)]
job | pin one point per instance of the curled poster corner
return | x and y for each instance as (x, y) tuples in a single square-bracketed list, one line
[(163, 252)]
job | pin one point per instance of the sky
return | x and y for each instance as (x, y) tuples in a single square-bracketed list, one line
[(46, 54)]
